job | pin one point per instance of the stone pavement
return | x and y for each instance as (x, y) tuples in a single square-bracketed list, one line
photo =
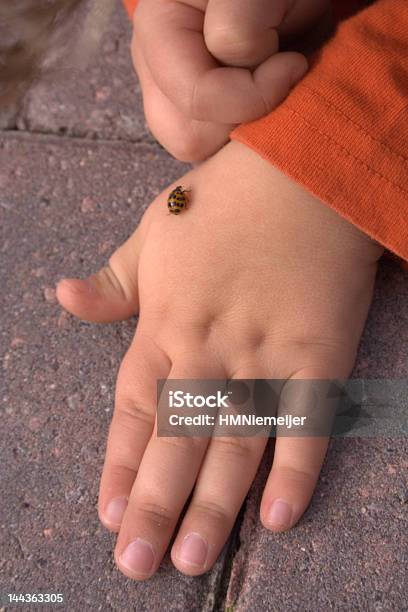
[(77, 169)]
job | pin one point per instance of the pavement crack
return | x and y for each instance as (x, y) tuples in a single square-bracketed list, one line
[(220, 603), (20, 546), (77, 136)]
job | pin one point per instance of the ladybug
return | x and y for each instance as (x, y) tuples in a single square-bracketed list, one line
[(177, 200)]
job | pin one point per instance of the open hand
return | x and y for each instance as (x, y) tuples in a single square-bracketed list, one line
[(256, 279)]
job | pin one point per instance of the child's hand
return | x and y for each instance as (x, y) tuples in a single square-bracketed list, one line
[(257, 279), (181, 51)]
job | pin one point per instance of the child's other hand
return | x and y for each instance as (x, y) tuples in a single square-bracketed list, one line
[(257, 279), (206, 65)]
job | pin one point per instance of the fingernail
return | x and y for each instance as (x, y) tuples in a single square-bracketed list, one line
[(138, 557), (193, 550), (280, 514), (115, 510)]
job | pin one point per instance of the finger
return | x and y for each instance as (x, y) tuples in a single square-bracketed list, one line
[(186, 139), (193, 80), (239, 95), (295, 470), (227, 472), (109, 295), (289, 489), (243, 32), (165, 479), (132, 425)]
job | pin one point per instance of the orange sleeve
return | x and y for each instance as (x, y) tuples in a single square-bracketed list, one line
[(343, 131), (130, 6)]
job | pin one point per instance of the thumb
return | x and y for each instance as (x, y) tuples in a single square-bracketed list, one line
[(109, 295)]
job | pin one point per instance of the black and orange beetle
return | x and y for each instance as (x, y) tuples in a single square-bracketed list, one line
[(177, 200)]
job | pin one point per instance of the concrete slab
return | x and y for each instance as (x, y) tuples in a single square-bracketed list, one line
[(349, 552), (62, 212), (57, 375), (102, 101), (65, 203)]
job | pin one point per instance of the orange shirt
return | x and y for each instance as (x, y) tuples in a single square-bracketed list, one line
[(343, 130)]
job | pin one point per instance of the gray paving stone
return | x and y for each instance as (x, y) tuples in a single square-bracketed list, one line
[(65, 203), (101, 101)]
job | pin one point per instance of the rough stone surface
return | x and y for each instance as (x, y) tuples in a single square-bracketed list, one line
[(101, 101), (57, 374), (65, 202)]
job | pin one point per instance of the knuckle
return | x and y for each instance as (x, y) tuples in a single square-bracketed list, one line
[(177, 131), (109, 278), (187, 148), (296, 474), (188, 446), (230, 446), (131, 413), (117, 468), (182, 144), (211, 510), (156, 515), (229, 43)]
